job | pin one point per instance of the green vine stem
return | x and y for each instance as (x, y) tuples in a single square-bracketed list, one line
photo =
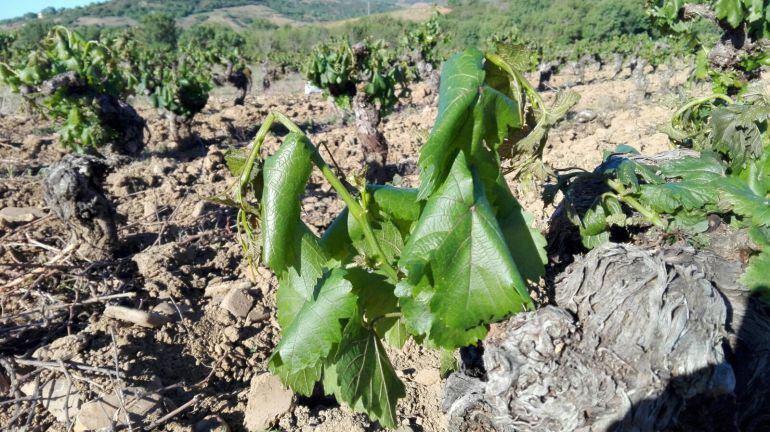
[(632, 202), (700, 101), (385, 316), (354, 207)]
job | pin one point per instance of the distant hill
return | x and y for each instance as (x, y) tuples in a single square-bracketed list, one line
[(231, 12)]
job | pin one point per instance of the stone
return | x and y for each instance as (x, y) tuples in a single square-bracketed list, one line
[(257, 314), (104, 413), (231, 333), (219, 289), (135, 316), (238, 302), (161, 167), (54, 398), (150, 210), (14, 215), (169, 312), (65, 348), (427, 377), (34, 142), (268, 400), (585, 116), (212, 423)]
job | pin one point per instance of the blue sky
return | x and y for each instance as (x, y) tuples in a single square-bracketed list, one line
[(14, 8)]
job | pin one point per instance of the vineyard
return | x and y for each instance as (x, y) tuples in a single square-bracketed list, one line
[(475, 216)]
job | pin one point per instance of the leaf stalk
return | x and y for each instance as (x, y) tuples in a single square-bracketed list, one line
[(355, 208), (632, 202)]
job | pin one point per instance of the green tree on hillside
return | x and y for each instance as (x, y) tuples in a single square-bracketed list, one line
[(158, 31), (611, 18)]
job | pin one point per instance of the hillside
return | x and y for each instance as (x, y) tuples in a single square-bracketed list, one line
[(124, 12)]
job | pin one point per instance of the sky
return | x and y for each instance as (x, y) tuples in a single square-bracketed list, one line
[(14, 8)]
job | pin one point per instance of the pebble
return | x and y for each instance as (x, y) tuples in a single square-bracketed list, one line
[(134, 316), (257, 314), (200, 209), (168, 311), (585, 116), (150, 210), (213, 160), (219, 289), (64, 348), (33, 141), (12, 215), (162, 167), (54, 397), (238, 302), (427, 377), (139, 404), (231, 333), (268, 400)]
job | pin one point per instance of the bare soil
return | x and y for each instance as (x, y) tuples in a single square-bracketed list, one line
[(179, 252)]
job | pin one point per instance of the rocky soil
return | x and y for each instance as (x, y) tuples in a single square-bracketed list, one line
[(174, 333)]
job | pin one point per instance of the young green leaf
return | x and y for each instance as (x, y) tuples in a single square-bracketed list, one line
[(525, 243), (476, 278), (756, 276), (365, 374), (746, 202), (461, 78), (286, 173), (298, 281), (310, 337)]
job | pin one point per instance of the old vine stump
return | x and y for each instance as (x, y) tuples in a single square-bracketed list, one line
[(640, 341), (72, 190), (117, 115)]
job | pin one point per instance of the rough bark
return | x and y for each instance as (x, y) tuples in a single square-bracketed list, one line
[(239, 78), (640, 77), (72, 190), (180, 131), (269, 76), (617, 64), (126, 122), (734, 44), (373, 144), (114, 113), (425, 70), (69, 81), (665, 79), (545, 73), (640, 341)]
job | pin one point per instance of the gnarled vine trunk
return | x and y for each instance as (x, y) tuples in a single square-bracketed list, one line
[(72, 190), (545, 73), (617, 64), (372, 141), (114, 113), (240, 79), (122, 118), (640, 341), (639, 77), (734, 45), (180, 131)]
